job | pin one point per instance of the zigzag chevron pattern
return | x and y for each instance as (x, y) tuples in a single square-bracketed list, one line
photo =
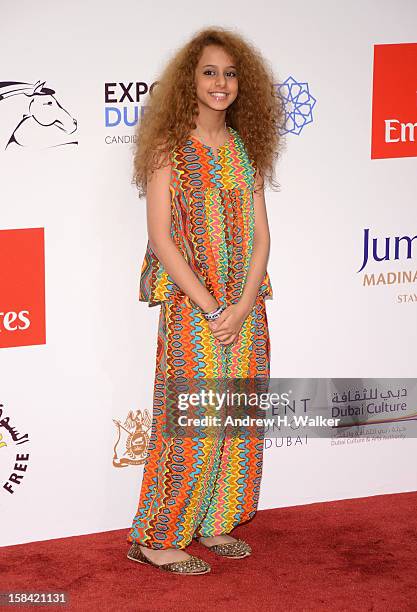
[(203, 485), (212, 223)]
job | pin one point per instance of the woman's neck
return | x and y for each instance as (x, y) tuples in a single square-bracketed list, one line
[(217, 136), (210, 125)]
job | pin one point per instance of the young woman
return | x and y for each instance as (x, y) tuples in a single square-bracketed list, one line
[(205, 146)]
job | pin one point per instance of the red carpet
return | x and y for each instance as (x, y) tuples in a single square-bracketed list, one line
[(356, 554)]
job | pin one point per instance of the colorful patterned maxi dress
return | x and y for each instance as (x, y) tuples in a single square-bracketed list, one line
[(203, 486)]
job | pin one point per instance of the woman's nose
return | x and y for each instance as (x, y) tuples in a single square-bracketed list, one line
[(220, 80)]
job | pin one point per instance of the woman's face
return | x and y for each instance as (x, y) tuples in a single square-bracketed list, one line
[(216, 78)]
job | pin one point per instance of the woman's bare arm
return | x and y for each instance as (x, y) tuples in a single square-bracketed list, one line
[(261, 247), (158, 207)]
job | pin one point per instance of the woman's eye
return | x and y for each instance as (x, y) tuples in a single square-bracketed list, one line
[(231, 73)]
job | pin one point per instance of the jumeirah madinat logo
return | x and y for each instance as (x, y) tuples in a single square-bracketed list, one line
[(14, 453), (382, 260), (298, 105), (132, 439), (33, 117)]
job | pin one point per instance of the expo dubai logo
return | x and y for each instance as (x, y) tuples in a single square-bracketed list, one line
[(22, 282), (32, 117), (124, 107), (394, 101), (298, 105), (393, 249)]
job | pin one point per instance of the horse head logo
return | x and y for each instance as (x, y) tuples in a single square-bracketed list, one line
[(32, 117)]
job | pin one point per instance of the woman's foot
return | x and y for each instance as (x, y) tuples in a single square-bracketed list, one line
[(224, 538), (170, 560), (166, 555), (227, 546)]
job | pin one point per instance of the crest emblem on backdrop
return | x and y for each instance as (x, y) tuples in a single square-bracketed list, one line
[(133, 439)]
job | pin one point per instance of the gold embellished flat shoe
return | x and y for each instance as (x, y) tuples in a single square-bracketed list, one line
[(233, 550), (191, 566)]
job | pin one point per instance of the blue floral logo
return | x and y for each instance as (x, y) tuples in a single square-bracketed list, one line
[(298, 105)]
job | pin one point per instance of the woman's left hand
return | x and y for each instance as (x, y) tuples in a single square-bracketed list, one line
[(227, 327)]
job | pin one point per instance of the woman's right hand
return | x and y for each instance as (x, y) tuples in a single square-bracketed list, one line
[(226, 338), (213, 327)]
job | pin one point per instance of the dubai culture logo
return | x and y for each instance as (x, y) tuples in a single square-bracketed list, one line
[(31, 117), (298, 105), (132, 439)]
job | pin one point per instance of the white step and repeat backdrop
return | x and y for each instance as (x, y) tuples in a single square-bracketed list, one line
[(78, 349)]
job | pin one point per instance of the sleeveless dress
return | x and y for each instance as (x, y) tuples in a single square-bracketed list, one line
[(203, 486)]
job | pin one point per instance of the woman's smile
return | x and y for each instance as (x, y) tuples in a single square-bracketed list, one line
[(219, 95)]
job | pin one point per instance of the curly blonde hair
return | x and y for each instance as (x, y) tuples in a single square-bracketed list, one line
[(256, 113)]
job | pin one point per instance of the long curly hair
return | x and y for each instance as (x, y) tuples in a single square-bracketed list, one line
[(256, 113)]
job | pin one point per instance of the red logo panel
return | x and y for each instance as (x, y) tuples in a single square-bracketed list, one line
[(22, 287), (394, 101)]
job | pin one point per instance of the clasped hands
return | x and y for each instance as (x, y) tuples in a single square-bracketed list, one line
[(227, 327)]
